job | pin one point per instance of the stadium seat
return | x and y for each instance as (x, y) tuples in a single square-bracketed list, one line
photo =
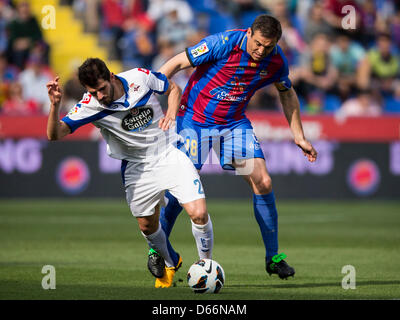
[(302, 102), (392, 105), (332, 103)]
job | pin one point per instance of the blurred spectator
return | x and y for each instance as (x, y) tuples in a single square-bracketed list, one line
[(23, 34), (380, 67), (73, 92), (394, 28), (8, 74), (166, 51), (135, 14), (123, 16), (138, 46), (147, 33), (174, 21), (159, 8), (302, 10), (290, 53), (294, 43), (316, 23), (87, 11), (393, 104), (16, 104), (363, 105), (34, 79), (346, 56), (280, 10), (6, 15), (385, 8), (91, 15), (316, 74), (315, 102), (170, 28), (371, 23), (181, 78), (113, 12)]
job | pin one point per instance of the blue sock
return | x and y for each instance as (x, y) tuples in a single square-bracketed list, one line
[(169, 214), (267, 218), (172, 253)]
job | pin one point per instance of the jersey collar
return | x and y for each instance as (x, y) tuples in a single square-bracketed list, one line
[(243, 44), (126, 90)]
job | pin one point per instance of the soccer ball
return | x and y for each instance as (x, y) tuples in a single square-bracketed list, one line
[(206, 276)]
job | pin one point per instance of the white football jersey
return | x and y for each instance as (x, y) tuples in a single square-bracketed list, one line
[(130, 124)]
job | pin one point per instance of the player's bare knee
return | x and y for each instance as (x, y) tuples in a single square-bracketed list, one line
[(147, 226), (197, 211), (199, 216), (264, 185), (146, 230)]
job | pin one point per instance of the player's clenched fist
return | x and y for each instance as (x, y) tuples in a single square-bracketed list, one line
[(54, 91)]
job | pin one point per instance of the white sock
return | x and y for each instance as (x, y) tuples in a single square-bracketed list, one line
[(204, 237), (158, 242)]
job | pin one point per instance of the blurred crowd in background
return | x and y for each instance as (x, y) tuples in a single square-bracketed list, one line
[(352, 72)]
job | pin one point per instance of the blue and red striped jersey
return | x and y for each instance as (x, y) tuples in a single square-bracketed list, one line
[(226, 77)]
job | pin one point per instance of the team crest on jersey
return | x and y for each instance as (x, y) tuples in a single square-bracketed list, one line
[(237, 86), (138, 119), (199, 50), (134, 87)]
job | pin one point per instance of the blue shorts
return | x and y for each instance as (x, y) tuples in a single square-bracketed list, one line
[(234, 141)]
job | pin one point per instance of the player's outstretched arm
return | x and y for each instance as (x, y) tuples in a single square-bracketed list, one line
[(175, 64), (174, 93), (56, 129), (291, 108)]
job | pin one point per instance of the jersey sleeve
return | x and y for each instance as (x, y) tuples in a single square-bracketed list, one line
[(157, 82), (209, 49), (283, 83), (81, 113)]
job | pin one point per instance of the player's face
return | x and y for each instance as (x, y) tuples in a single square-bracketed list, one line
[(103, 92), (259, 47)]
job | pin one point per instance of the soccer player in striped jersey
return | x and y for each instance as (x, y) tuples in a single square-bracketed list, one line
[(230, 67), (132, 123)]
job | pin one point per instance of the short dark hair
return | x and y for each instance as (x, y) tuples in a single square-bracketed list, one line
[(91, 71), (269, 27)]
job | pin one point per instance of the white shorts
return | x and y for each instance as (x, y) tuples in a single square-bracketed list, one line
[(145, 183)]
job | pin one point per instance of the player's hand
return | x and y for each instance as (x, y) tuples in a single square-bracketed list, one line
[(308, 149), (166, 123), (54, 91)]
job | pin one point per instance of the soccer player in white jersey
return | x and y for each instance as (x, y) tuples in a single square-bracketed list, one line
[(132, 123)]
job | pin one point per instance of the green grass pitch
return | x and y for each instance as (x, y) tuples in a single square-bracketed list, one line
[(99, 253)]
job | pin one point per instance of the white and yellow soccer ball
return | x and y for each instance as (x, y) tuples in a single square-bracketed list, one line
[(206, 276)]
